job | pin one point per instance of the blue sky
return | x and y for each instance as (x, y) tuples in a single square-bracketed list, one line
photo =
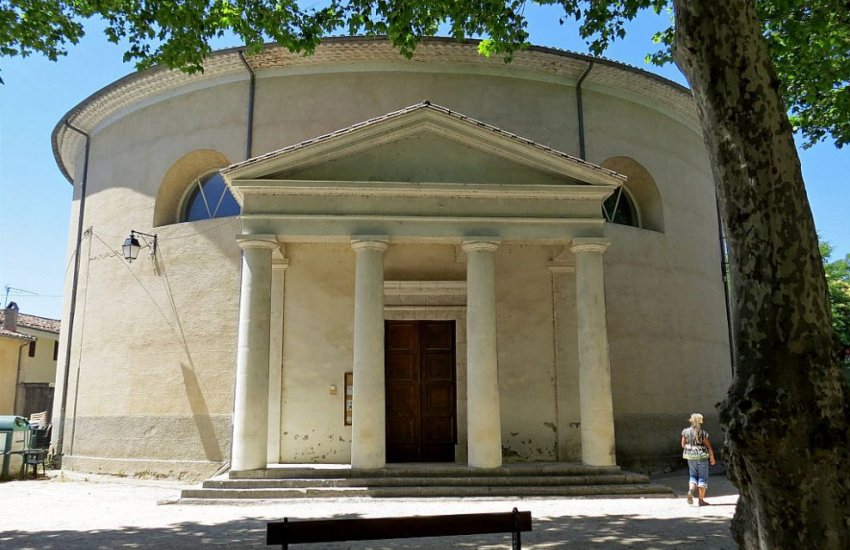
[(35, 198)]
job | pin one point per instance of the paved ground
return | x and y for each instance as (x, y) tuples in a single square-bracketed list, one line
[(73, 511)]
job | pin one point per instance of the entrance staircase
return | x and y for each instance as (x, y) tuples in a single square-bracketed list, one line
[(424, 481)]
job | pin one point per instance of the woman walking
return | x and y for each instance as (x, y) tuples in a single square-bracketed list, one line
[(698, 452)]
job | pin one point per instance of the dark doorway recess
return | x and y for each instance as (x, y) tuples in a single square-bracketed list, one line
[(37, 397), (420, 389)]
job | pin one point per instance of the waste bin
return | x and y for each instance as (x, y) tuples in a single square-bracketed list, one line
[(14, 432)]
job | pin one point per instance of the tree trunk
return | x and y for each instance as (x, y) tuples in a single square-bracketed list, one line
[(786, 415)]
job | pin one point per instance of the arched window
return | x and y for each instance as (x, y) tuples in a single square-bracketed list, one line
[(637, 202), (619, 208), (208, 198), (182, 182)]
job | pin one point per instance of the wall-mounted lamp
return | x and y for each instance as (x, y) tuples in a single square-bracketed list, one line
[(132, 246)]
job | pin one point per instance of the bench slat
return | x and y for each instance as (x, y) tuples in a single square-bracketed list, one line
[(334, 530)]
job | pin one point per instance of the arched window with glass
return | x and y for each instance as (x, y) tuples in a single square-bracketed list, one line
[(638, 201), (619, 208), (207, 198)]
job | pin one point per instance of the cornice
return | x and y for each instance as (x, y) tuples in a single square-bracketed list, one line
[(322, 188)]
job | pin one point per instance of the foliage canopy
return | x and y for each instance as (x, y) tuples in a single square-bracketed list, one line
[(809, 41), (838, 282)]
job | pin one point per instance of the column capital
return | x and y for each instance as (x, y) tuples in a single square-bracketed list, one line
[(485, 244), (268, 242), (589, 244), (370, 242)]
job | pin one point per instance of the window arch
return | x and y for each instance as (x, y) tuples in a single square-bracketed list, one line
[(640, 192), (208, 197), (180, 181), (620, 208)]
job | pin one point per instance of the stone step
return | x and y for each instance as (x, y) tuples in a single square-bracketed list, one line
[(436, 480), (429, 481), (429, 470), (634, 489)]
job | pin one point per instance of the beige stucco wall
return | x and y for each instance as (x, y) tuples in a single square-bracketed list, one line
[(328, 102), (666, 315), (318, 350), (152, 362), (318, 337), (526, 353), (42, 367), (9, 371), (151, 373), (154, 376)]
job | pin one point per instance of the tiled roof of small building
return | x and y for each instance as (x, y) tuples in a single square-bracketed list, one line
[(34, 322), (18, 335)]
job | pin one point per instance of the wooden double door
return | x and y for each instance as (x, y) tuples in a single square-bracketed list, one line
[(421, 393)]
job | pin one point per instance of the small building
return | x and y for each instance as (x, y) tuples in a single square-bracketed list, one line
[(353, 257), (29, 348)]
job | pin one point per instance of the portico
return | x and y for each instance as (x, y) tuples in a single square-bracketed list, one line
[(399, 181)]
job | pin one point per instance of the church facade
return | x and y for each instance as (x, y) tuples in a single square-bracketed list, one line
[(356, 258)]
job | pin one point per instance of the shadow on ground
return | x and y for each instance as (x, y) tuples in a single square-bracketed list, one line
[(617, 531), (719, 484)]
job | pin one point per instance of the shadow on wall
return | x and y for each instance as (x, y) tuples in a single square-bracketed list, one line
[(616, 531), (194, 394), (201, 415)]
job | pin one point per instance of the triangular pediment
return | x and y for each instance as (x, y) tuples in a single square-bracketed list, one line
[(423, 143), (423, 157)]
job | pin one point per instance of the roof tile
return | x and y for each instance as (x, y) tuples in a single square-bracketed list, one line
[(34, 322), (18, 335)]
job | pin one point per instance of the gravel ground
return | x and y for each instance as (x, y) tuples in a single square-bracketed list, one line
[(73, 511)]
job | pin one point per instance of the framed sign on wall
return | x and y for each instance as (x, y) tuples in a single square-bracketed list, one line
[(349, 396)]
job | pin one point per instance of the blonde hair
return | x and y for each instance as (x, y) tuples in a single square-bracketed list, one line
[(695, 419)]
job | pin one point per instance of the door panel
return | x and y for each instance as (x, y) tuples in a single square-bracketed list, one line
[(439, 335), (437, 398), (437, 430), (420, 389), (439, 366), (401, 336), (402, 368), (402, 391)]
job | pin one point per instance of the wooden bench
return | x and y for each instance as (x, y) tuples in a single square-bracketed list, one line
[(336, 530)]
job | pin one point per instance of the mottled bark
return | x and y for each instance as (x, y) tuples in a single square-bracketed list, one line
[(786, 415)]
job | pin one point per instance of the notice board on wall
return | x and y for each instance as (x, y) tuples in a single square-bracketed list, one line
[(349, 396)]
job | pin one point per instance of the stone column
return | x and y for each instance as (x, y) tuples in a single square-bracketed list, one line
[(567, 408), (597, 411), (250, 411), (484, 423), (276, 356), (368, 430)]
